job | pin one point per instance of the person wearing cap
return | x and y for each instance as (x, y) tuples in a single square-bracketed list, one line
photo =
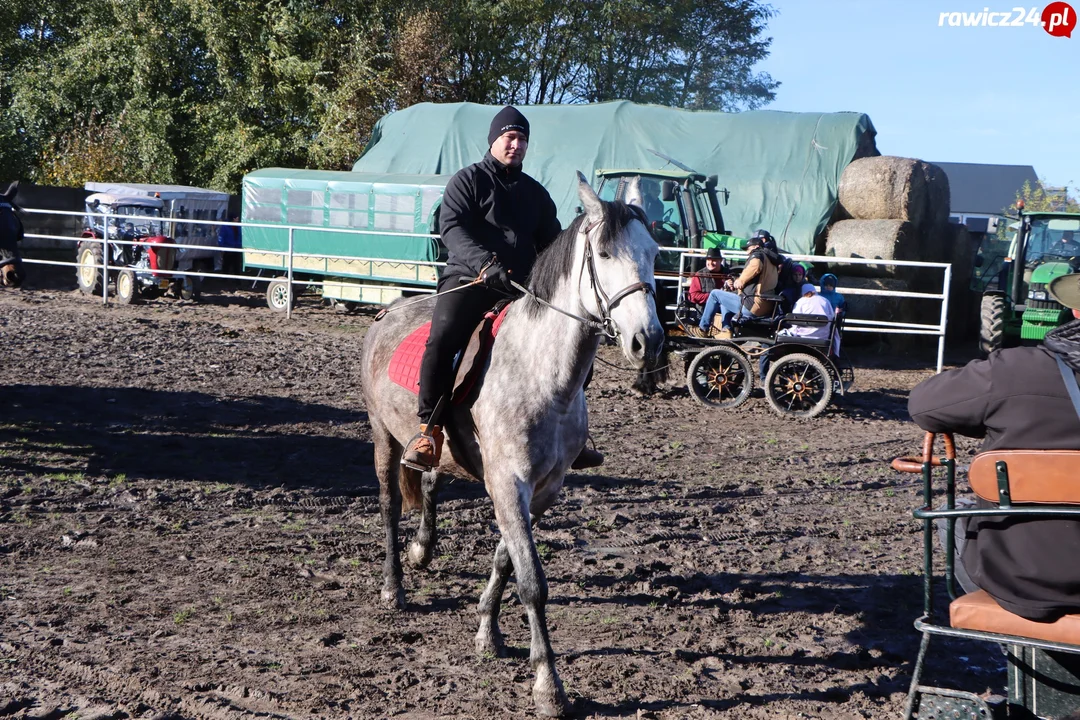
[(494, 221), (758, 278), (810, 303), (1017, 398), (708, 278)]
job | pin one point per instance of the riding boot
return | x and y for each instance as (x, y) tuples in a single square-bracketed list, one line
[(589, 457), (424, 450)]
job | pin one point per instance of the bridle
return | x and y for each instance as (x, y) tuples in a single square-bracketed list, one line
[(604, 325)]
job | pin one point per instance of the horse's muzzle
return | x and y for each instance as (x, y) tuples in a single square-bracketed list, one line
[(645, 347)]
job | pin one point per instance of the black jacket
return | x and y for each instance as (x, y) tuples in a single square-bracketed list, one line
[(490, 209), (1015, 399)]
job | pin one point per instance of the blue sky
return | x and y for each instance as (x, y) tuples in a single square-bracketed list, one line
[(952, 94)]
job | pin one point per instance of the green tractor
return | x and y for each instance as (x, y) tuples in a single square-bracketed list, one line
[(683, 211), (682, 206), (1015, 303)]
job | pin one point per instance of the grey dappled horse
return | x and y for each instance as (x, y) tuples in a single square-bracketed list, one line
[(11, 232), (529, 419)]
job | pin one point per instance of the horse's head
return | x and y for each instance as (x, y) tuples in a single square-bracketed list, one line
[(616, 282), (11, 267)]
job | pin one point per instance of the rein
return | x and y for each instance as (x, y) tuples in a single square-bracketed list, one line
[(606, 325)]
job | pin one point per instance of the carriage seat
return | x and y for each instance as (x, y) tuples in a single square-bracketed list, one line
[(1042, 658), (763, 324), (979, 611), (1043, 477)]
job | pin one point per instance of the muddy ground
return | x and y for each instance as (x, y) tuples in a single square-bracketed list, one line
[(189, 529)]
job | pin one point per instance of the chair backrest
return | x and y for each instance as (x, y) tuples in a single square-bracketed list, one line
[(1034, 476)]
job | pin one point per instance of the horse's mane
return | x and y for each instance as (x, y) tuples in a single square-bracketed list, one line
[(556, 262)]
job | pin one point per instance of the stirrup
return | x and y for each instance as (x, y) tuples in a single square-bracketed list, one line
[(434, 437)]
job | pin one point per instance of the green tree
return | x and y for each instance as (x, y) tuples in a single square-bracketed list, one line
[(203, 91), (1043, 198)]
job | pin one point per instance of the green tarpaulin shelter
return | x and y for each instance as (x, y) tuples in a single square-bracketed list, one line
[(781, 168)]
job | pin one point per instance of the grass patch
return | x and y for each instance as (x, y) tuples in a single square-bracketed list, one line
[(66, 477)]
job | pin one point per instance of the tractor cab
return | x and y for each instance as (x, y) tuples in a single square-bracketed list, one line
[(1016, 305), (681, 205), (127, 218)]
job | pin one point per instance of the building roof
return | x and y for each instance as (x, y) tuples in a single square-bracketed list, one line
[(977, 188)]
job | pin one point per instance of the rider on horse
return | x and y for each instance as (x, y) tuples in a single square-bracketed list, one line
[(494, 221)]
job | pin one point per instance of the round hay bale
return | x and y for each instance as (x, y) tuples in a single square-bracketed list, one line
[(874, 307), (877, 239), (938, 196), (884, 188)]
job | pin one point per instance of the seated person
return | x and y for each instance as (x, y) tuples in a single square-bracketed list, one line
[(707, 279), (650, 200), (758, 278), (812, 303), (792, 278), (828, 291), (1016, 399)]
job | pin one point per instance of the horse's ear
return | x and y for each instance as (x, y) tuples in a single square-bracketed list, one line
[(593, 208), (632, 194)]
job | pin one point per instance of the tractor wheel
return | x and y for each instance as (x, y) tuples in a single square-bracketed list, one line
[(192, 288), (720, 377), (88, 273), (279, 296), (992, 323), (798, 385), (127, 287)]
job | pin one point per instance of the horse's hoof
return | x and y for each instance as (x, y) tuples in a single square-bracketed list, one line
[(489, 644), (552, 704), (393, 598), (418, 555)]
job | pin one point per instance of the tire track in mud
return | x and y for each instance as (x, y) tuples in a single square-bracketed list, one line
[(128, 694)]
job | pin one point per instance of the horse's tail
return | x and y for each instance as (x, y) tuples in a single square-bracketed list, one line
[(412, 494)]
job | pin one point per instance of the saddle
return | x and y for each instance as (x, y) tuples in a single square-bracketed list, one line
[(404, 368)]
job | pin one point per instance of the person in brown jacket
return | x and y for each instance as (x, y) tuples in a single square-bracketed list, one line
[(759, 277), (1016, 399)]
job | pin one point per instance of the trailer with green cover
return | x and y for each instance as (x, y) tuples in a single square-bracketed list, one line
[(361, 235)]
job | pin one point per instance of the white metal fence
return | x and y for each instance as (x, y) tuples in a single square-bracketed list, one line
[(858, 324), (851, 324)]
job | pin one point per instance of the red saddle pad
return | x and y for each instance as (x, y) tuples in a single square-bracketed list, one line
[(405, 364), (404, 368)]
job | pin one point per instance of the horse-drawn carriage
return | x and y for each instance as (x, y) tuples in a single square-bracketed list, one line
[(799, 371)]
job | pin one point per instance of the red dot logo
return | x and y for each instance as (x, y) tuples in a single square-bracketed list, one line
[(1059, 19)]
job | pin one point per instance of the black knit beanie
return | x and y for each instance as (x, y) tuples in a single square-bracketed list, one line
[(506, 120)]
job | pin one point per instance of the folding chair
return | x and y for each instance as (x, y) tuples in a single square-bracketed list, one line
[(1043, 658)]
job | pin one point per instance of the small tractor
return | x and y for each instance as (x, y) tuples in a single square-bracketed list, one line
[(139, 269), (1015, 303)]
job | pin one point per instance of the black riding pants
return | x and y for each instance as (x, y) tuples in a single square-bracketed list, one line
[(456, 316)]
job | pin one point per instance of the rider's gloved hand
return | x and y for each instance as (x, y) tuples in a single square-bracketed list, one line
[(498, 278)]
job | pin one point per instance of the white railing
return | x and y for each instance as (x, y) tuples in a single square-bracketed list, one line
[(289, 255), (856, 324), (850, 325)]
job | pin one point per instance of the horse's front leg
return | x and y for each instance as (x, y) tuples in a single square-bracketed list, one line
[(423, 545), (512, 514)]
